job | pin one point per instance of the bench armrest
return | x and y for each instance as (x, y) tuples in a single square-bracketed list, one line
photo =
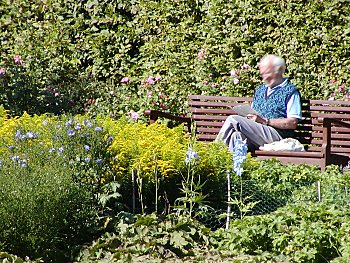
[(155, 114), (327, 132)]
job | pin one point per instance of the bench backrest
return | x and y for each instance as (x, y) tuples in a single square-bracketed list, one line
[(209, 113)]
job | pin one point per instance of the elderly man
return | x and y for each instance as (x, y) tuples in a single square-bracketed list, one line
[(277, 103)]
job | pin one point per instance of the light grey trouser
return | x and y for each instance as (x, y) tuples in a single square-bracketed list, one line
[(236, 126)]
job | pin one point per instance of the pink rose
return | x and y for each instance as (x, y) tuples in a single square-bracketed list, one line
[(245, 66), (205, 82), (134, 115), (341, 88), (234, 73), (125, 80), (347, 96), (201, 54), (214, 85), (150, 80), (17, 59)]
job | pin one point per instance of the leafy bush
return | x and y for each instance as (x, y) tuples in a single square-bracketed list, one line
[(51, 175), (120, 56), (298, 233)]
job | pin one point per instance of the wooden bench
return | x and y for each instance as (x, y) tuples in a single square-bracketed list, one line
[(324, 131)]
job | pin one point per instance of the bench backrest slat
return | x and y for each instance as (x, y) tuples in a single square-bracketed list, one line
[(209, 113)]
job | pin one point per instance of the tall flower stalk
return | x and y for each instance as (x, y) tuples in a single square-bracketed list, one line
[(190, 188), (239, 156)]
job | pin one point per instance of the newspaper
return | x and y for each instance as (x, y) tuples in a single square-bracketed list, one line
[(243, 110)]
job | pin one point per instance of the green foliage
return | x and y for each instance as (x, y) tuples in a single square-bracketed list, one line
[(150, 237), (73, 55), (54, 172), (297, 233)]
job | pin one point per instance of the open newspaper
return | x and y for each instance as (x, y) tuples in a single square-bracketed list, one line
[(243, 109)]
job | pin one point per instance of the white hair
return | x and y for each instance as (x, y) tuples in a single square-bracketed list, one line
[(276, 61)]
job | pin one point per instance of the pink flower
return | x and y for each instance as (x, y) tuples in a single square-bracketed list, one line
[(161, 95), (134, 115), (245, 66), (347, 96), (111, 92), (205, 82), (234, 73), (17, 59), (201, 54), (149, 93), (223, 78), (222, 88), (125, 80), (331, 98), (157, 78), (235, 81), (57, 94), (150, 80), (214, 85), (341, 88), (332, 81), (2, 71), (162, 106)]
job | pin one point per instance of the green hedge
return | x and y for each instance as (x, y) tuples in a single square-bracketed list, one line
[(74, 54)]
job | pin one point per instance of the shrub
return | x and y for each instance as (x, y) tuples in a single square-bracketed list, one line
[(69, 56), (52, 172)]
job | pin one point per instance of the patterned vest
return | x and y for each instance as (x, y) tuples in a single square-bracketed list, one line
[(274, 106)]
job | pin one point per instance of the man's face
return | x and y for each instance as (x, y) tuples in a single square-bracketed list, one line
[(269, 75)]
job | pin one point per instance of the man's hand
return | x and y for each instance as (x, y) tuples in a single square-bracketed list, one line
[(284, 123), (256, 118)]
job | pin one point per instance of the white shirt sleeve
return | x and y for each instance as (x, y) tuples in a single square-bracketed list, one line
[(294, 106)]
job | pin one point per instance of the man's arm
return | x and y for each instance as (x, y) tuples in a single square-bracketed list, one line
[(284, 124)]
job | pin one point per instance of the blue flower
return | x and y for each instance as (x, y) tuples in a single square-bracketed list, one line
[(60, 150), (0, 163), (52, 150), (98, 129), (190, 155), (11, 148), (109, 139), (69, 123), (87, 123), (71, 133), (77, 127), (31, 135), (15, 157), (87, 159), (87, 147), (240, 150), (45, 122), (19, 136), (99, 161)]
